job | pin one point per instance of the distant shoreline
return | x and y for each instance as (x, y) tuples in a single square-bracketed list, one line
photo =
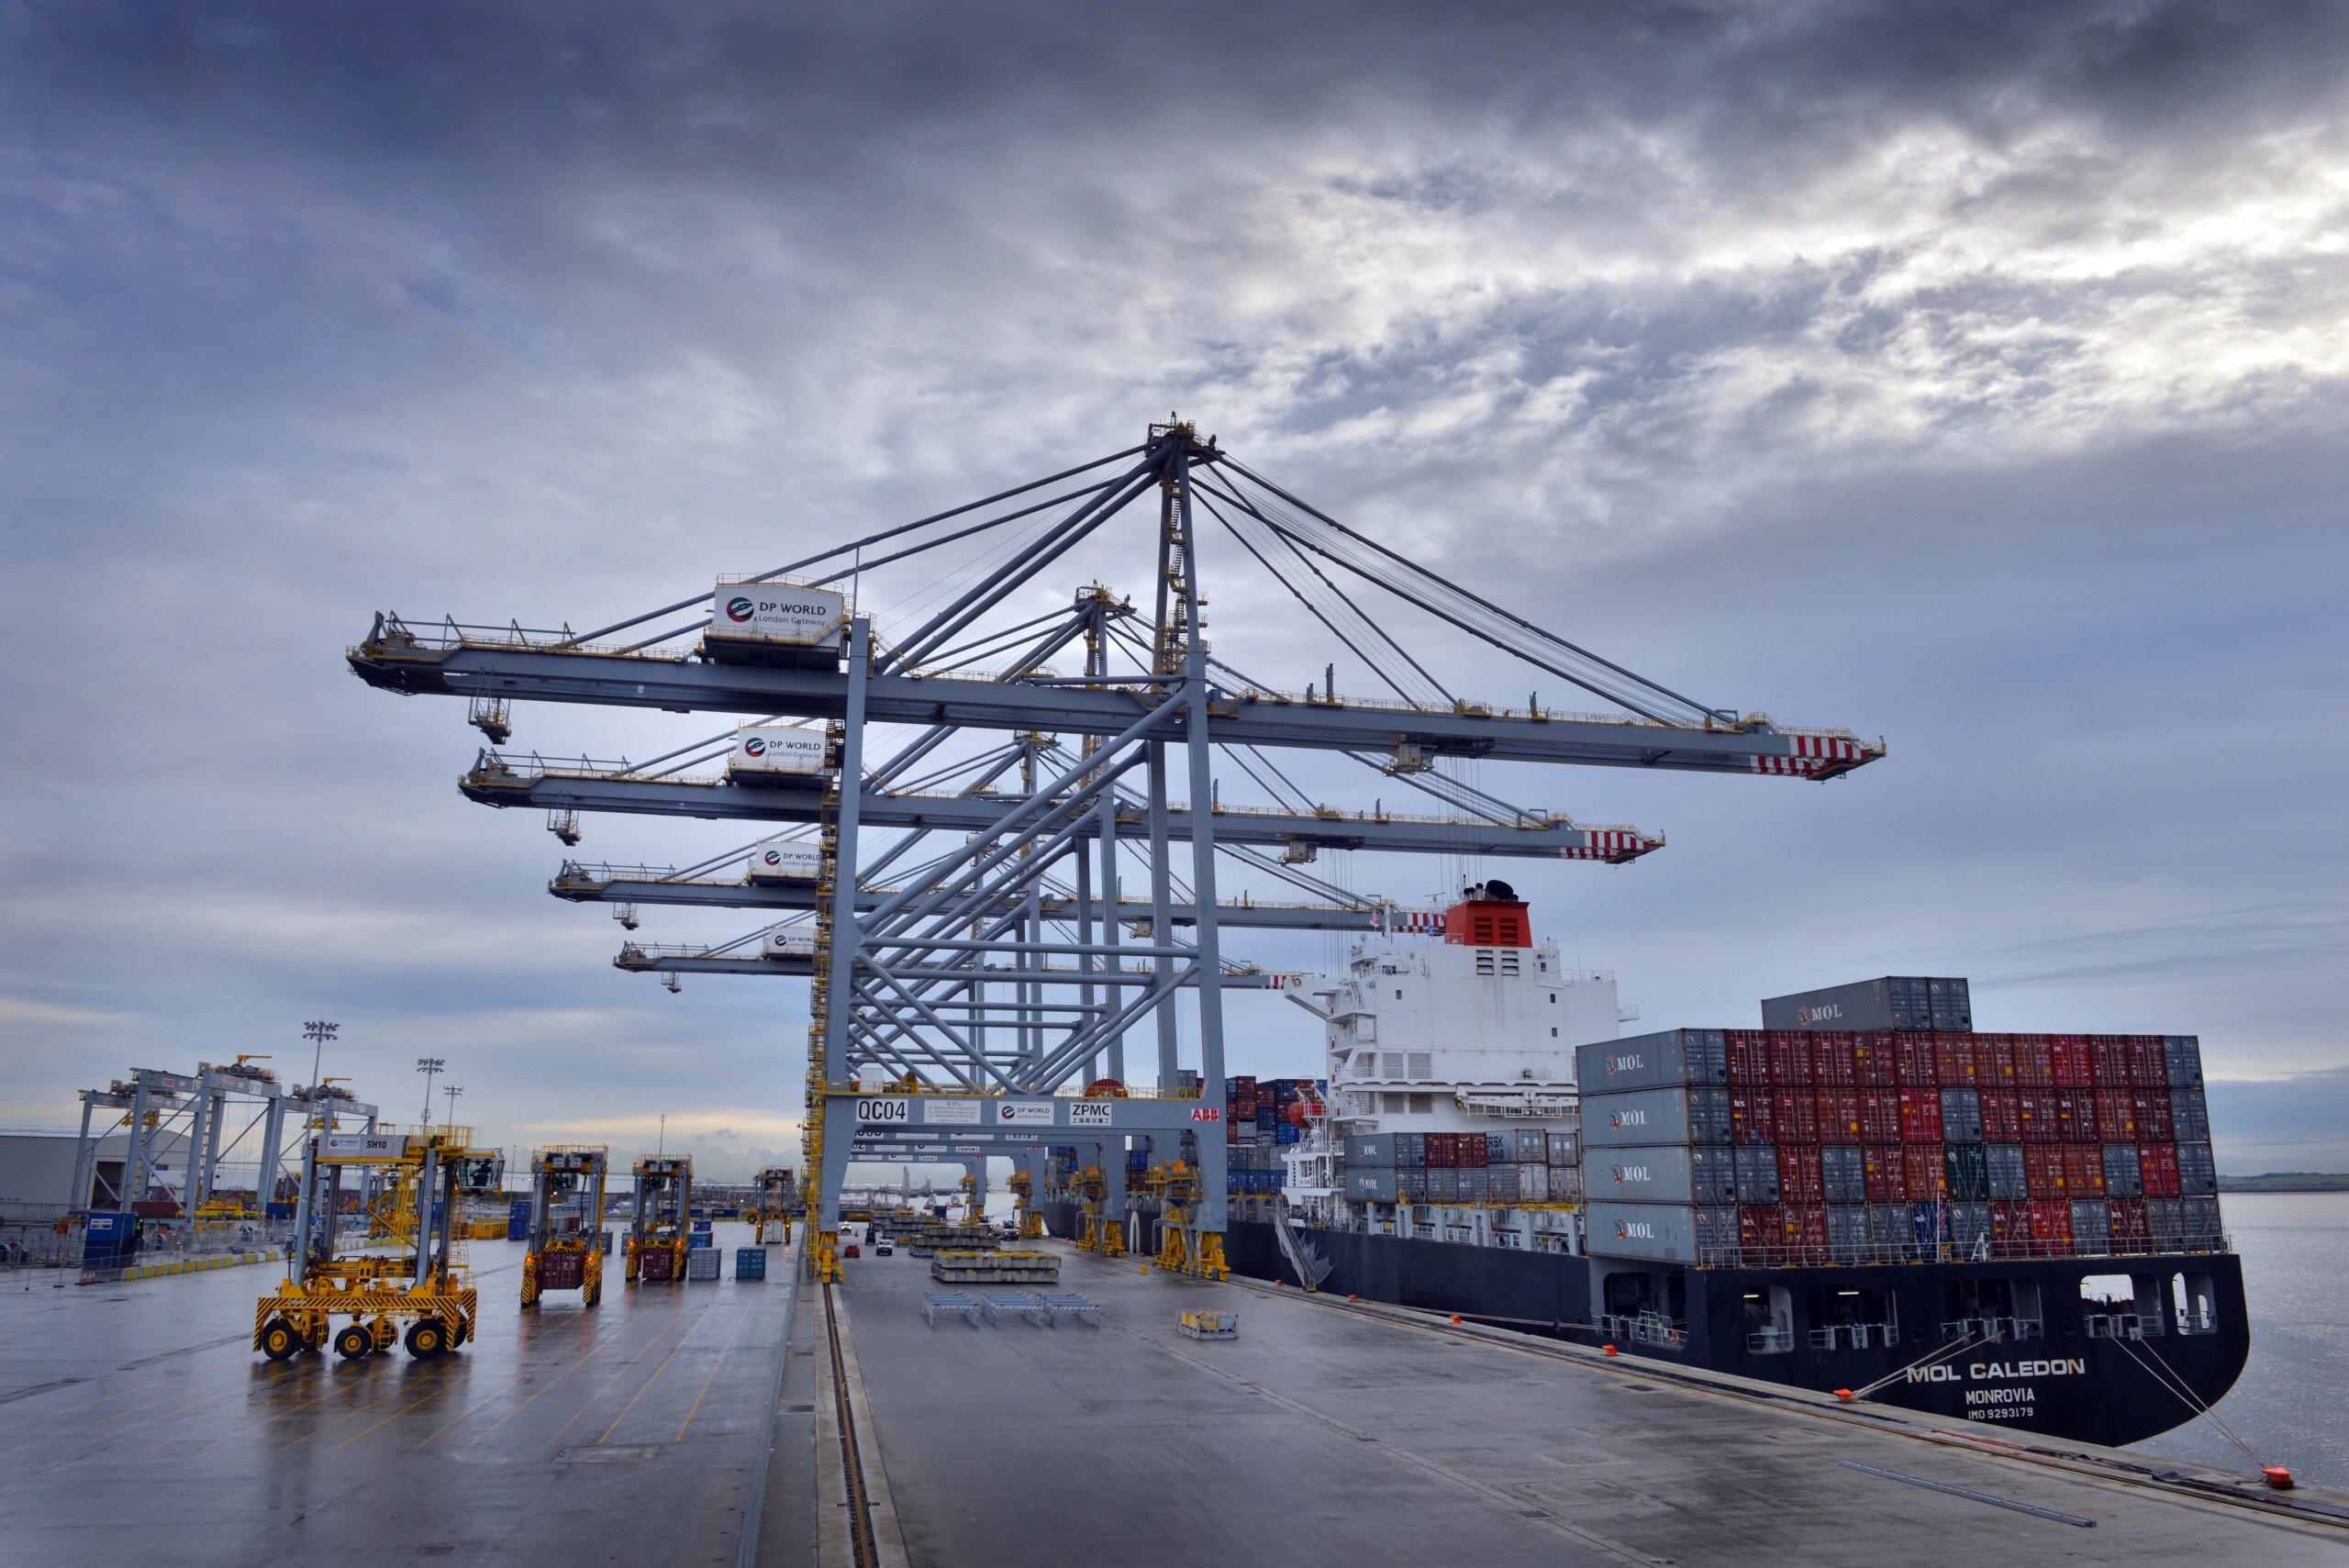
[(2286, 1181)]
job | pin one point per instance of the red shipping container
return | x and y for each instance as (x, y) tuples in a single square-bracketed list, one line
[(2116, 1115), (2127, 1219), (1807, 1229), (1881, 1115), (1790, 1058), (2109, 1061), (1440, 1156), (1473, 1148), (2083, 1169), (1748, 1116), (2074, 1067), (1799, 1174), (1877, 1064), (2148, 1063), (2034, 1061), (1927, 1176), (1921, 1115), (2075, 1115), (2051, 1227), (1795, 1116), (2155, 1122), (1759, 1224), (2037, 1113), (2158, 1164), (2001, 1116), (1839, 1116), (2010, 1229), (1831, 1065), (1997, 1054), (2043, 1168), (1913, 1056), (1749, 1058), (1888, 1173), (1961, 1066)]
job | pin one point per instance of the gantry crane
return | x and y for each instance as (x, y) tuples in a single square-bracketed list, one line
[(661, 1227), (418, 1279), (1007, 955), (566, 1223)]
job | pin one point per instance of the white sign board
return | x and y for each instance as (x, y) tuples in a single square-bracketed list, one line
[(1024, 1113), (777, 748), (1088, 1113), (786, 863), (884, 1112), (960, 1113), (364, 1146), (775, 612)]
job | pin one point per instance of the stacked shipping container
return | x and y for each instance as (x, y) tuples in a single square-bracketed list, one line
[(1792, 1146), (1260, 1119), (1522, 1167)]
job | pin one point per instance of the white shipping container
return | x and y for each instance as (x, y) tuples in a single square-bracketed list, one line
[(1532, 1184), (799, 941), (775, 612), (786, 863), (1566, 1184), (768, 751)]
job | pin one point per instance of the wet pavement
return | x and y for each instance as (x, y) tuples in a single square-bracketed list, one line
[(136, 1422)]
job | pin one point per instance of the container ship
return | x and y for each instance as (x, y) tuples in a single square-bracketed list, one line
[(1863, 1195)]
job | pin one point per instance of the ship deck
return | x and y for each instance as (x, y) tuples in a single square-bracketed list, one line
[(138, 1424)]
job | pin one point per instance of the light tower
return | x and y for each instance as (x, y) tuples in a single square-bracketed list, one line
[(430, 1066)]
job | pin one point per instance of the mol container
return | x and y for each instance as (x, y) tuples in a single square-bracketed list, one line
[(1659, 1232), (779, 625), (1908, 1002), (786, 863), (1667, 1058), (777, 756), (1672, 1173), (1643, 1117), (794, 942)]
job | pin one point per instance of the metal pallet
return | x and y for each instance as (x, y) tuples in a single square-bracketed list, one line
[(934, 1302)]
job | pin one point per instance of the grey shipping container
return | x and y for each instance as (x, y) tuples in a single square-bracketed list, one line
[(2189, 1114), (1969, 1226), (1371, 1149), (1500, 1183), (2008, 1182), (1662, 1174), (1443, 1184), (1476, 1185), (2123, 1177), (1844, 1173), (1666, 1059), (1410, 1151), (2202, 1224), (1532, 1184), (1412, 1183), (1565, 1148), (1961, 1116), (1756, 1165), (1847, 1231), (1651, 1232), (1566, 1184), (1888, 1229), (2092, 1226), (1367, 1183), (1895, 1002), (1498, 1149), (2198, 1172), (2182, 1054), (2165, 1222), (1528, 1146), (1636, 1118)]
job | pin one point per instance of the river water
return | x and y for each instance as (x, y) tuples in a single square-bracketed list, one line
[(2292, 1403)]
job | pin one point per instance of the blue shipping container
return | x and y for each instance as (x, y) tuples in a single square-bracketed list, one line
[(701, 1224), (750, 1262), (698, 1239), (1284, 1133), (108, 1240)]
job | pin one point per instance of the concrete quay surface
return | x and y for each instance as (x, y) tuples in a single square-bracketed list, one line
[(136, 1423)]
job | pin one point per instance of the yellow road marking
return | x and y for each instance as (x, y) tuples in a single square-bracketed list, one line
[(706, 1382)]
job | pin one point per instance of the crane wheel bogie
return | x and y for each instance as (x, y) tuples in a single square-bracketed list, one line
[(354, 1341), (279, 1340), (428, 1337)]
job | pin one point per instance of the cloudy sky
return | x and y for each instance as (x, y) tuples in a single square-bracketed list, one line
[(1972, 376)]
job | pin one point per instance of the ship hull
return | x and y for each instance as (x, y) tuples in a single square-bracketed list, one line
[(2061, 1383)]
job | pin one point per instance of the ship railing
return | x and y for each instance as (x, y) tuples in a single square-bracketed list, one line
[(1855, 1337), (1770, 1342), (2197, 1320), (1994, 1330), (1645, 1329), (2123, 1325)]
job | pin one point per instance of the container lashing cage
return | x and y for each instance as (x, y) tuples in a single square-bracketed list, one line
[(420, 1181)]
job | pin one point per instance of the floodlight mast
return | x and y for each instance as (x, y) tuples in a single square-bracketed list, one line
[(952, 987)]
